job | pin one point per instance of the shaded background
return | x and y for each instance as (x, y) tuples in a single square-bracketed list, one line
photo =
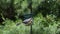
[(46, 16)]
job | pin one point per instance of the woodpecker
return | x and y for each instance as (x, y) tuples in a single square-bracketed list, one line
[(28, 21)]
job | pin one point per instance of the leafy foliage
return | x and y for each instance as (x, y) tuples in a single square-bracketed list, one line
[(46, 16)]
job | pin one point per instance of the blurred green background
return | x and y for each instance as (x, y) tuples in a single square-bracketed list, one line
[(46, 16)]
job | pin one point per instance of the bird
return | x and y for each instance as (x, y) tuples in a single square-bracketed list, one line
[(28, 21)]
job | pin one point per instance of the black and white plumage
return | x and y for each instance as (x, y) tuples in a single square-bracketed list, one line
[(28, 21)]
